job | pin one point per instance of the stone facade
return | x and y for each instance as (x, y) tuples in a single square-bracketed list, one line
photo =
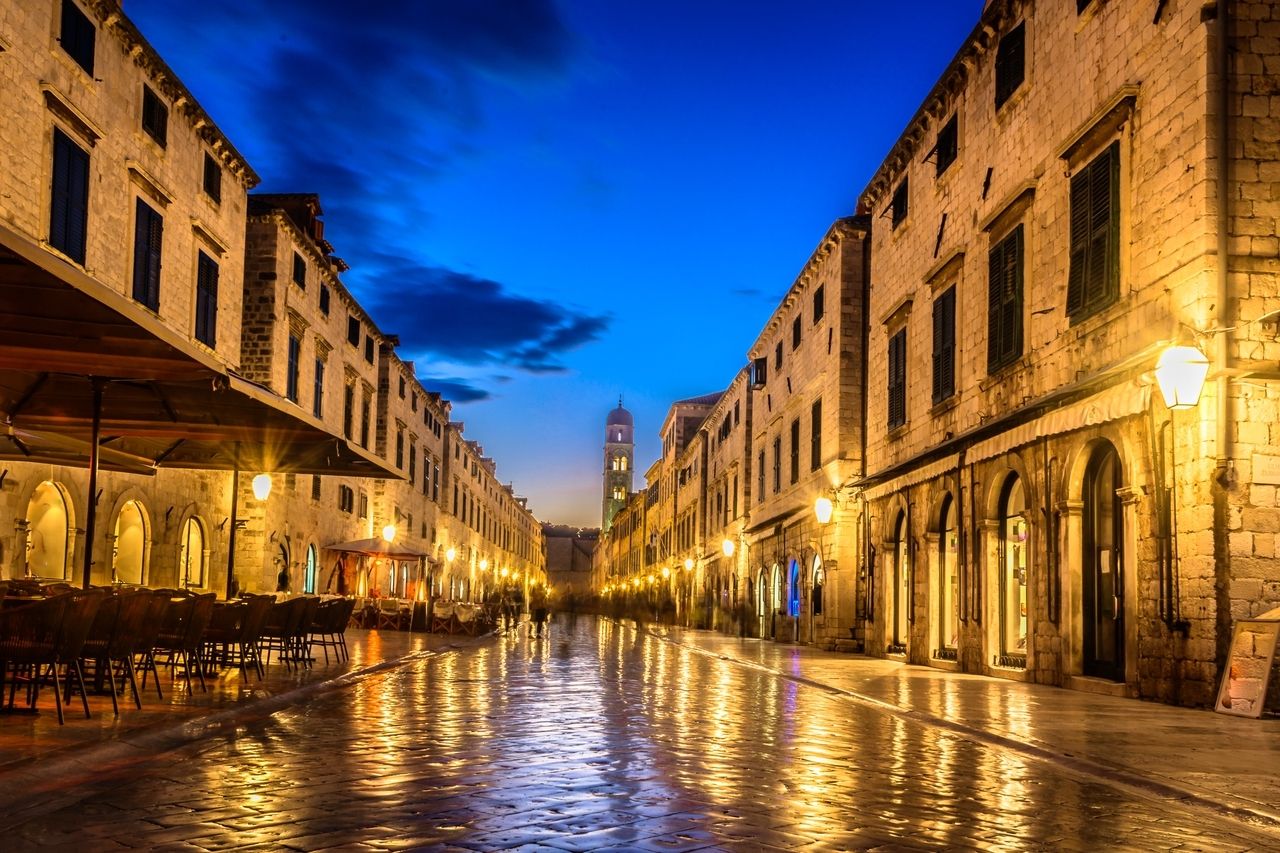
[(284, 319)]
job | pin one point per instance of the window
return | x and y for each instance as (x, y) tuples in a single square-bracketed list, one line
[(737, 413), (206, 300), (324, 299), (413, 462), (898, 379), (815, 437), (426, 473), (148, 236), (1093, 282), (898, 206), (364, 506), (346, 499), (315, 487), (212, 178), (944, 345), (1011, 60), (399, 448), (795, 451), (760, 477), (368, 348), (353, 331), (365, 406), (795, 332), (759, 371), (948, 146), (435, 480), (69, 207), (777, 464), (299, 271), (819, 308), (317, 395), (401, 387), (348, 410), (1004, 301), (777, 356), (1081, 5), (291, 378), (155, 116), (77, 36)]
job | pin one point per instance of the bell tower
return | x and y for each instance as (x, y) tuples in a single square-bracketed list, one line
[(619, 462)]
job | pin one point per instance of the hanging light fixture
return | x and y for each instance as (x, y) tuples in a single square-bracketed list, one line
[(262, 486), (1180, 373)]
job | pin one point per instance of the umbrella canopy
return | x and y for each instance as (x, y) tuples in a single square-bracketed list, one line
[(72, 348), (378, 547)]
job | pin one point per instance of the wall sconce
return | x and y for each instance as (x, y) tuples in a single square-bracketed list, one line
[(1180, 373), (666, 572), (389, 533), (822, 509), (450, 554), (262, 486), (688, 564), (727, 547)]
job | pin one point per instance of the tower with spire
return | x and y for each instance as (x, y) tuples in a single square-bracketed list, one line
[(619, 462)]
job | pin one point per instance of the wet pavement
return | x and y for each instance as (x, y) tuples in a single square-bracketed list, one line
[(597, 737)]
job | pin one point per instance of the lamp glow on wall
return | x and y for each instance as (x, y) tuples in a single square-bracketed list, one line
[(727, 547), (688, 564), (262, 486), (484, 566), (389, 533), (666, 573), (450, 554), (822, 509), (1180, 373)]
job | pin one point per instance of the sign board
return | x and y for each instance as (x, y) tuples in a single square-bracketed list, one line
[(1243, 690), (1266, 469)]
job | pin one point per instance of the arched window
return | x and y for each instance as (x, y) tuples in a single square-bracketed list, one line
[(1013, 573), (311, 571), (48, 523), (948, 598), (191, 554), (130, 543), (622, 463), (793, 600)]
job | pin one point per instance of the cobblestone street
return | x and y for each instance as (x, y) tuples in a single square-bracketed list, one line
[(602, 737)]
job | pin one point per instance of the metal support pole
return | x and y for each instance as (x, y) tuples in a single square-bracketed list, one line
[(91, 513), (235, 520)]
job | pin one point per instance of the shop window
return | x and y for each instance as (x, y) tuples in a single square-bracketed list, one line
[(191, 554), (1013, 574), (948, 591)]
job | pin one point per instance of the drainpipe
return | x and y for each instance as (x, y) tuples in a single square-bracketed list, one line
[(1222, 350)]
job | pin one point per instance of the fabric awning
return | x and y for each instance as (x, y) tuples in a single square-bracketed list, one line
[(166, 402), (378, 547)]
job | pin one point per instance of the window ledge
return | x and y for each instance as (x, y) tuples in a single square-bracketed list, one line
[(896, 433), (943, 406)]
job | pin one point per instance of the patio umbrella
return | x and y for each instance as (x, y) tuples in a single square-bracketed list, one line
[(89, 377)]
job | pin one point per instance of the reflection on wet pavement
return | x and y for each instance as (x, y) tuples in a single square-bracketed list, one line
[(597, 737)]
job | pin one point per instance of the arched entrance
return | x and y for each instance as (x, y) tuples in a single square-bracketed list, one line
[(762, 605), (1013, 573), (777, 598), (191, 554), (132, 543), (1102, 584), (900, 595), (48, 527), (793, 588), (819, 580), (311, 571)]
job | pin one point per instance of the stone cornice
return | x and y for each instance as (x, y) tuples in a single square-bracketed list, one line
[(164, 79)]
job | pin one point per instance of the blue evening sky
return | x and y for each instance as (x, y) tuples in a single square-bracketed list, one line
[(557, 203)]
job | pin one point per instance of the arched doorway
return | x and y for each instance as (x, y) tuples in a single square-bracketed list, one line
[(762, 605), (900, 596), (777, 598), (48, 528), (311, 571), (132, 542), (947, 633), (793, 584), (1103, 585), (191, 554), (819, 580), (1013, 573)]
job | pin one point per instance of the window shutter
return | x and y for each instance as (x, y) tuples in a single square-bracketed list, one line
[(944, 343), (1011, 308), (1079, 241), (147, 242), (69, 207), (995, 287), (1093, 280)]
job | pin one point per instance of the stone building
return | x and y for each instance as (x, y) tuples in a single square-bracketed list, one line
[(569, 554), (126, 205), (1035, 509), (805, 416)]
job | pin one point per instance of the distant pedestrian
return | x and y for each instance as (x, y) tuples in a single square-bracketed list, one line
[(541, 611)]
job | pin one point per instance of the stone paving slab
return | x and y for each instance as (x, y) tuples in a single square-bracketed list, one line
[(1223, 759)]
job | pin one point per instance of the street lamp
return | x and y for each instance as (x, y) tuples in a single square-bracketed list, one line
[(389, 533), (450, 554), (727, 547), (666, 573), (1180, 373), (261, 489), (688, 564), (484, 566), (262, 486)]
